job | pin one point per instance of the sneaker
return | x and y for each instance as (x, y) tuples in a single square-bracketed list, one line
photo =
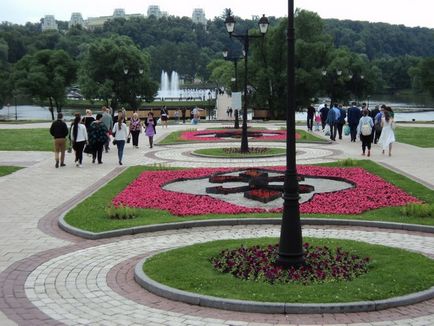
[(57, 165), (77, 164), (62, 164), (120, 163), (369, 153), (99, 162)]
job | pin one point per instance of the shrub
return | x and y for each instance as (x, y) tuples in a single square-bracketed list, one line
[(418, 210), (121, 212)]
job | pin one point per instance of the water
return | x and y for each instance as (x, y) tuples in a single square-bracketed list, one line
[(169, 87)]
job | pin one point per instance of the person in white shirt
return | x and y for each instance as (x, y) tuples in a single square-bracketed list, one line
[(120, 132), (79, 139)]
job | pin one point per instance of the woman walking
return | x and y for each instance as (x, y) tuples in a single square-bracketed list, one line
[(120, 132), (387, 137), (150, 131), (364, 129), (88, 119), (164, 114), (79, 139), (135, 129), (98, 136)]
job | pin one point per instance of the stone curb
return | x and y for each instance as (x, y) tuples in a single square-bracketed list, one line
[(231, 222), (270, 307)]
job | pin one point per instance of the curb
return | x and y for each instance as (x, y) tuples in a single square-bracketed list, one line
[(231, 222), (273, 307)]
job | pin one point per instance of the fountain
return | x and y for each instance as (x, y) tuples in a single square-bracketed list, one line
[(169, 87)]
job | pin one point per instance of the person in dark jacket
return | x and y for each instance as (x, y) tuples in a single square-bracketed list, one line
[(354, 115), (324, 111), (341, 121), (59, 131), (310, 114)]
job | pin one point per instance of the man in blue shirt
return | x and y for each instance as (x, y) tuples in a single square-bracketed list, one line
[(332, 120)]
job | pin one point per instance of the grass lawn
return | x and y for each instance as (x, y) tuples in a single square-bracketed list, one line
[(220, 152), (26, 140), (90, 214), (195, 273), (5, 170), (175, 137), (417, 136)]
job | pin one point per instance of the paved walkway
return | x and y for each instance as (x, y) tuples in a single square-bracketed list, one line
[(30, 239)]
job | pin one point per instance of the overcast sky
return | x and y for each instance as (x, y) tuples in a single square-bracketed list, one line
[(409, 13)]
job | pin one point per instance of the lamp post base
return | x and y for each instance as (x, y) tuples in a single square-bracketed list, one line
[(290, 260)]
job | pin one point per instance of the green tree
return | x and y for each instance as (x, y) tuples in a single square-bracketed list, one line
[(45, 75), (115, 69), (423, 75)]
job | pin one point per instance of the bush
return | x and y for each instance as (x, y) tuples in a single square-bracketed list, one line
[(121, 212), (418, 210)]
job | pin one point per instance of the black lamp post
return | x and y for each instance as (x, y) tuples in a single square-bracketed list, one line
[(245, 39), (133, 93), (234, 59), (16, 112), (291, 242)]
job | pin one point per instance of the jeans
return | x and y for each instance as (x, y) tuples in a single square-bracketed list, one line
[(120, 144), (309, 123)]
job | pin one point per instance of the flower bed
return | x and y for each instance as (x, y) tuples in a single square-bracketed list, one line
[(321, 265), (217, 135), (370, 192)]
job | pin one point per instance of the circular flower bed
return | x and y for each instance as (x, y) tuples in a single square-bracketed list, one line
[(219, 135), (322, 264)]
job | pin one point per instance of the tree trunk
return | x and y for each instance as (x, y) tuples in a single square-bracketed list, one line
[(51, 108)]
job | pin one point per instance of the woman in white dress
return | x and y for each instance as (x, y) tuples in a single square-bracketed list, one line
[(387, 134)]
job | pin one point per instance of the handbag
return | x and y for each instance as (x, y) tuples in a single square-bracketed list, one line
[(128, 140), (347, 130), (114, 142), (327, 130)]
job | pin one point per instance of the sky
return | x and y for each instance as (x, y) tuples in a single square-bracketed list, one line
[(410, 13)]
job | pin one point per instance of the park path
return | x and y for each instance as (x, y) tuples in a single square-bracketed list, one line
[(31, 197)]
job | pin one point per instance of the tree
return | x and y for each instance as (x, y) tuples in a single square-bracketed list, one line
[(424, 75), (4, 72), (45, 75), (115, 69), (221, 73)]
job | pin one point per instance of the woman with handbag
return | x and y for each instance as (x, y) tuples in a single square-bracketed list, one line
[(120, 132), (135, 129), (150, 131), (79, 139)]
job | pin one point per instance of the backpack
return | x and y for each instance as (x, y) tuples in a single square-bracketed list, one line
[(366, 129)]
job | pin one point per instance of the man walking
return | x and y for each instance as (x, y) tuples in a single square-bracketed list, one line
[(354, 115), (324, 111), (107, 120), (59, 131), (310, 115)]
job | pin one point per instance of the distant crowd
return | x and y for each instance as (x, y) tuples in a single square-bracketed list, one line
[(370, 126)]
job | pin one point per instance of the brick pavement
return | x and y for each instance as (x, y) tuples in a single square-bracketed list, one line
[(31, 197)]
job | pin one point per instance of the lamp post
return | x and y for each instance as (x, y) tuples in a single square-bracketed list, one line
[(16, 112), (291, 242), (234, 59), (245, 40), (334, 90), (133, 74)]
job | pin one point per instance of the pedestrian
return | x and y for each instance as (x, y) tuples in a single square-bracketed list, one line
[(107, 120), (387, 137), (88, 119), (135, 129), (98, 136), (332, 120), (120, 134), (183, 111), (164, 115), (377, 123), (324, 111), (79, 139), (341, 120), (230, 112), (317, 121), (150, 130), (354, 115), (364, 129), (59, 131), (310, 115), (177, 116)]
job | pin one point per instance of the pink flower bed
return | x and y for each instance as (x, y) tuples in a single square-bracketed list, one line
[(370, 192), (201, 135)]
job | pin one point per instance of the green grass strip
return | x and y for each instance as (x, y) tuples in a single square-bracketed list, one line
[(417, 136), (5, 170), (392, 272), (26, 140)]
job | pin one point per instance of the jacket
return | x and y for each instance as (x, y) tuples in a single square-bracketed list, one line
[(59, 129)]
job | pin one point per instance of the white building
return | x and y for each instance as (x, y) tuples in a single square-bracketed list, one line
[(76, 19), (154, 10), (95, 22), (49, 23), (198, 16), (119, 13)]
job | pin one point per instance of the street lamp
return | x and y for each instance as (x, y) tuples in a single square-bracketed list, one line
[(245, 39), (234, 59), (291, 242), (133, 75)]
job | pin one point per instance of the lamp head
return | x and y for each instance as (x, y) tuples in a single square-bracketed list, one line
[(230, 24), (263, 24)]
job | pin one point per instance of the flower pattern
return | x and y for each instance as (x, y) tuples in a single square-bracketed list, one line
[(271, 135), (370, 192)]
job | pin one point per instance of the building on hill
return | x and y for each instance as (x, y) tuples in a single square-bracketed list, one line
[(154, 10), (76, 20), (49, 23), (198, 16), (95, 22)]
